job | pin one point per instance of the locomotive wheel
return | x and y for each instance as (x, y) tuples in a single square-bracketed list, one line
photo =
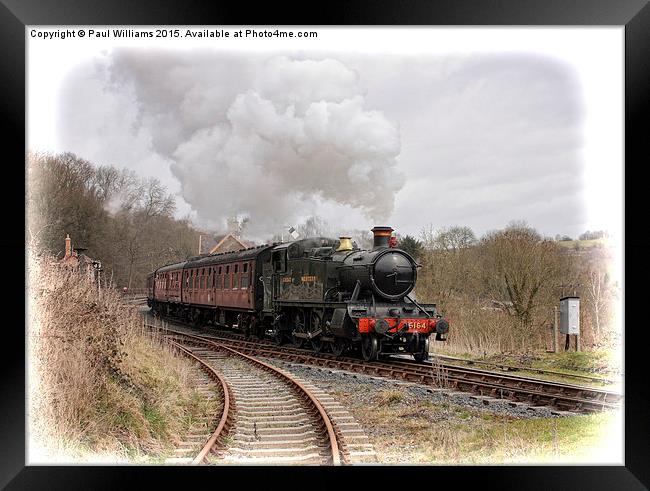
[(369, 347), (424, 354), (338, 347), (298, 326), (316, 343), (256, 328), (279, 337), (244, 325)]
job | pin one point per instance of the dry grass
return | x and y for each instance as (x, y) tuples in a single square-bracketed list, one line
[(412, 431), (389, 397), (480, 331), (100, 388)]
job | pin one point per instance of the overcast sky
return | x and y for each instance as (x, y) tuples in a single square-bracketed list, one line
[(401, 127)]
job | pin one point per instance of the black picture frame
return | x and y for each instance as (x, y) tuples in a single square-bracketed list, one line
[(633, 14)]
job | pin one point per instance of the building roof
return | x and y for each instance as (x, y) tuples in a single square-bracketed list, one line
[(212, 244)]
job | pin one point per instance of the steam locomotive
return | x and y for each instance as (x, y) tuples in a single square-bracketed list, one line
[(319, 292)]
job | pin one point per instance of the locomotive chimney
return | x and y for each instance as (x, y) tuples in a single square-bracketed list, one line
[(381, 237), (345, 244), (68, 246)]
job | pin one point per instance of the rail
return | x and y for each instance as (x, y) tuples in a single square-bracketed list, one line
[(307, 395), (226, 416)]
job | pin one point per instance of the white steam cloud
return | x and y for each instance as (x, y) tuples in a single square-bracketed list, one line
[(265, 138)]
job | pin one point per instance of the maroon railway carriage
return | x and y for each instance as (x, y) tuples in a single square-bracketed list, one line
[(222, 288)]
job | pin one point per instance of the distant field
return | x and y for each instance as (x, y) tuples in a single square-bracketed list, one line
[(572, 244)]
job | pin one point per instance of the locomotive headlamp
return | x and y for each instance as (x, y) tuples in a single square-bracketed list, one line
[(381, 326), (442, 326)]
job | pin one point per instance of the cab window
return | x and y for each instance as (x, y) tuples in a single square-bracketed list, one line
[(279, 259)]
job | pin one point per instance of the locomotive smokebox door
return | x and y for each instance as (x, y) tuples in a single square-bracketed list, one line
[(570, 315)]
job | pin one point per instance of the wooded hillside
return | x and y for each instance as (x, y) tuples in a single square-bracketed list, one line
[(123, 220)]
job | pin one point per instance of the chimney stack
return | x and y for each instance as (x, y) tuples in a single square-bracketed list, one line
[(68, 246), (381, 237)]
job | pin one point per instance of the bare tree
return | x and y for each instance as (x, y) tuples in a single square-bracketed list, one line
[(449, 263), (454, 238), (314, 226), (519, 267), (598, 295)]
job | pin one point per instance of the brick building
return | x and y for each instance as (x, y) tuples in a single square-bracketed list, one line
[(76, 260)]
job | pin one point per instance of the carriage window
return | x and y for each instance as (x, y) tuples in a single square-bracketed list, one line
[(245, 267), (245, 278), (235, 279)]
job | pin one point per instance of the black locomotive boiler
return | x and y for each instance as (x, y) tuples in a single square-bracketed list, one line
[(321, 292)]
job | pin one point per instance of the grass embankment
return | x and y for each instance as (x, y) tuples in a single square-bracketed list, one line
[(101, 389), (407, 430)]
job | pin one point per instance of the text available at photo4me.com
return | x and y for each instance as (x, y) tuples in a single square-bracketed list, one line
[(62, 34)]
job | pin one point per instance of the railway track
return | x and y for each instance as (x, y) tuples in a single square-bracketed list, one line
[(489, 385), (512, 368), (197, 431), (270, 416)]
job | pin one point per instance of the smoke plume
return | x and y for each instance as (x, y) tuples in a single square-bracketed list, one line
[(263, 137)]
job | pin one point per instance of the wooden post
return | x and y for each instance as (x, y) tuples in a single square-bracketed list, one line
[(566, 344), (577, 342), (555, 330)]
